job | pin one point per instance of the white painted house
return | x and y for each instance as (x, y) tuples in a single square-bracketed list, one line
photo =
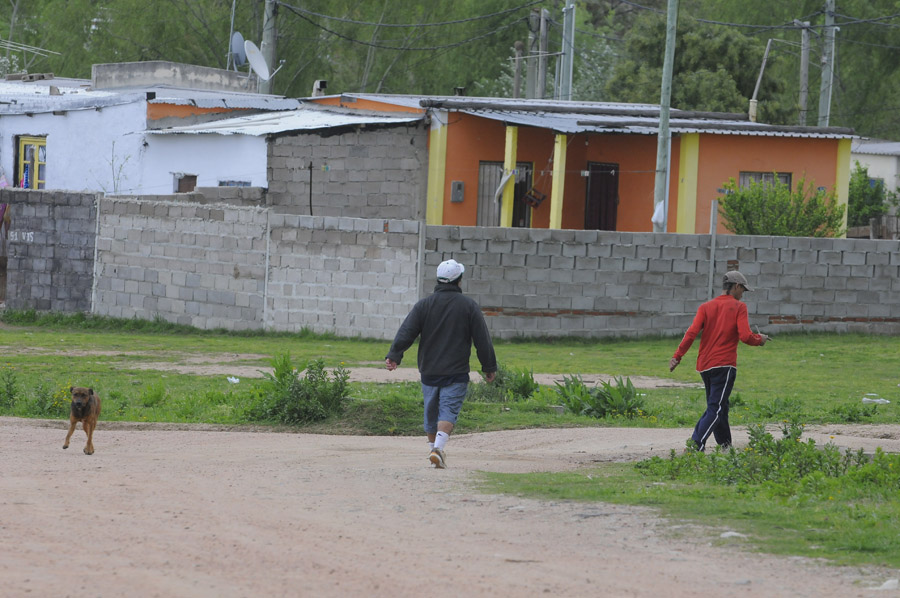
[(882, 158), (81, 135)]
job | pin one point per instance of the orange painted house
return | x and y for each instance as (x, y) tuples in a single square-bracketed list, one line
[(591, 165)]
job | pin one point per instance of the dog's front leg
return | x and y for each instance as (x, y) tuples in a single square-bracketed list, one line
[(89, 429), (72, 423)]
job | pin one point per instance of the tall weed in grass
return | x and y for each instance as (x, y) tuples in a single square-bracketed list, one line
[(783, 464), (509, 385), (289, 399), (9, 388), (605, 400)]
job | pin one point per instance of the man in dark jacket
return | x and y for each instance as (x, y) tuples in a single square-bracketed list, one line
[(448, 323)]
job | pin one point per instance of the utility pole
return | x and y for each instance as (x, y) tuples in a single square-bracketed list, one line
[(804, 68), (660, 201), (531, 66), (268, 43), (827, 66), (542, 55), (517, 76), (568, 53)]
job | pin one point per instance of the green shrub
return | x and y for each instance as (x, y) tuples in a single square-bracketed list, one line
[(778, 409), (289, 399), (606, 400), (772, 209), (788, 466), (853, 414), (154, 395), (508, 386), (867, 200), (9, 388)]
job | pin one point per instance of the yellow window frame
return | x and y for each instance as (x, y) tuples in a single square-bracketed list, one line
[(33, 161)]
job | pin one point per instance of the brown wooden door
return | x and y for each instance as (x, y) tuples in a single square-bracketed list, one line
[(602, 203)]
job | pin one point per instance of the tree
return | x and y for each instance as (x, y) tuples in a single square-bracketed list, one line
[(715, 68), (868, 197), (772, 209)]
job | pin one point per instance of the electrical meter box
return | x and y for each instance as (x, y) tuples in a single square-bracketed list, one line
[(457, 189)]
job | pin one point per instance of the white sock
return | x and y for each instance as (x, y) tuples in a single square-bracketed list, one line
[(430, 445), (441, 440)]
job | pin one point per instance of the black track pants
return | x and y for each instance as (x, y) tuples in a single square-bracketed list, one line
[(719, 382)]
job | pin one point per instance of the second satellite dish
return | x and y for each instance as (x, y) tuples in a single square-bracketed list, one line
[(237, 49), (256, 60)]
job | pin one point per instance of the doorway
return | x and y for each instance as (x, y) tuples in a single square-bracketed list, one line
[(602, 197), (490, 174)]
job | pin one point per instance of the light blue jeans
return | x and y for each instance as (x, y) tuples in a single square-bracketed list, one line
[(442, 403)]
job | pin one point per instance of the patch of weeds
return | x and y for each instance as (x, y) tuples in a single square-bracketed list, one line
[(606, 400), (852, 414), (153, 396), (114, 404), (9, 387), (286, 398), (778, 409), (47, 401), (508, 386)]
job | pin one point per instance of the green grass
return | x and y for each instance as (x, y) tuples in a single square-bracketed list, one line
[(801, 376), (811, 378), (810, 501)]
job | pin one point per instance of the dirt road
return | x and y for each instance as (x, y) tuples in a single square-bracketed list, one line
[(175, 511)]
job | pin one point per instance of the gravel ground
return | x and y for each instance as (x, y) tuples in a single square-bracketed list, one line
[(204, 511)]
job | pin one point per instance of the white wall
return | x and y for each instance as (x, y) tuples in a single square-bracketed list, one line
[(87, 150), (880, 167), (211, 157)]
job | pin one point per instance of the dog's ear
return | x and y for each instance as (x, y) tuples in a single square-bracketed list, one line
[(71, 389), (91, 391)]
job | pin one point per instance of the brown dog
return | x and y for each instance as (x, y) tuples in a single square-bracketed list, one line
[(85, 409)]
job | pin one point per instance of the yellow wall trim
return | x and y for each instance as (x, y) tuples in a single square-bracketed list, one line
[(559, 181), (688, 173), (842, 177), (437, 169), (509, 165)]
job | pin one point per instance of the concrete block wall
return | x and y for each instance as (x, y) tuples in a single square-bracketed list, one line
[(535, 282), (376, 172), (216, 265), (50, 250), (838, 285), (194, 264), (347, 276)]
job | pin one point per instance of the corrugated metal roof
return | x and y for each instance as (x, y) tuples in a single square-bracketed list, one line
[(18, 97), (877, 147), (601, 117), (303, 119), (641, 125), (221, 99), (412, 101)]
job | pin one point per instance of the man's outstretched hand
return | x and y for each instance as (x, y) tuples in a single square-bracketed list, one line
[(390, 364), (673, 363), (490, 376)]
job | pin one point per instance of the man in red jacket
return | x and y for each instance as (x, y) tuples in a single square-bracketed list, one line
[(724, 322)]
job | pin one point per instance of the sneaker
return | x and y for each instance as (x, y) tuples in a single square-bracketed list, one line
[(437, 458)]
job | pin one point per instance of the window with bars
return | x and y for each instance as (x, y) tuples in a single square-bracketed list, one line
[(766, 178)]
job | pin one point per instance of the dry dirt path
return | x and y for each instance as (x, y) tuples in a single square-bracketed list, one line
[(195, 511)]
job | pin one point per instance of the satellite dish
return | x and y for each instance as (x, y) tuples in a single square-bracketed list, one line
[(256, 60), (237, 49)]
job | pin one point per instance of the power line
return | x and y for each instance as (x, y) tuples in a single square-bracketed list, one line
[(852, 21), (492, 31), (298, 10)]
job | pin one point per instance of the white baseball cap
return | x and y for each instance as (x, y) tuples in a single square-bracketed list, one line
[(449, 271)]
